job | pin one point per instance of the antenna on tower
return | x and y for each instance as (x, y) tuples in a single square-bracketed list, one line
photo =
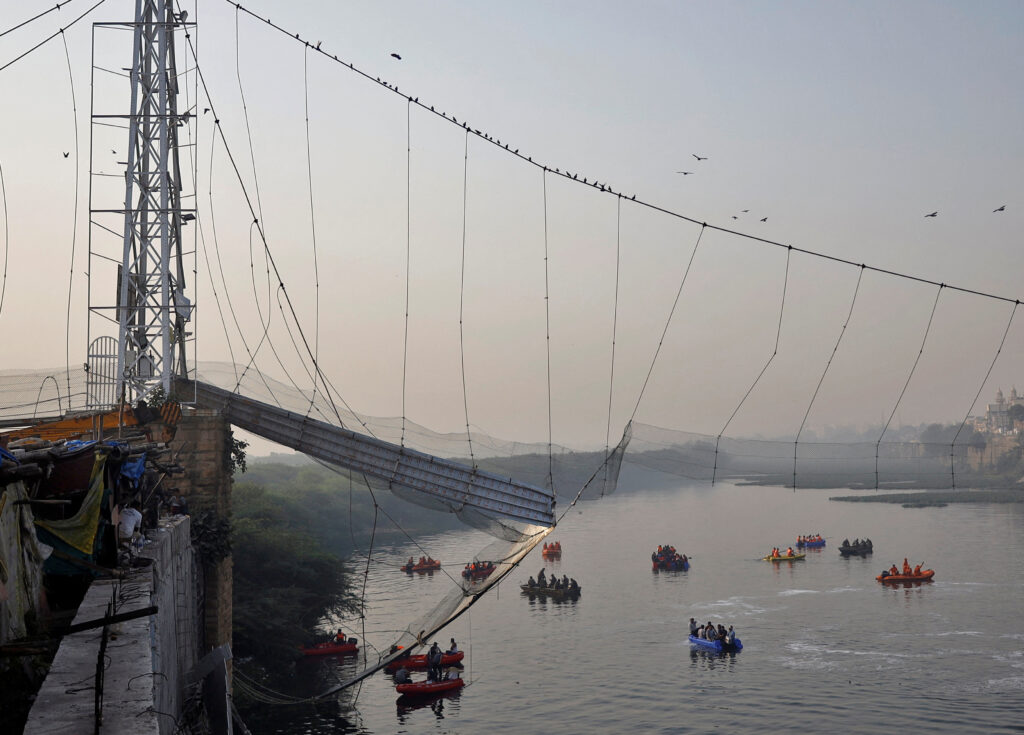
[(151, 309)]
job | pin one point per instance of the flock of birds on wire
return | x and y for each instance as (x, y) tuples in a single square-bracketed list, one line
[(575, 177)]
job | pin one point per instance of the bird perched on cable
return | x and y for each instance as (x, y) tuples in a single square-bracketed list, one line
[(396, 56), (999, 209), (699, 158), (933, 214)]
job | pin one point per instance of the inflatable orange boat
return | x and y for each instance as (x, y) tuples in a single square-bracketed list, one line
[(924, 576), (426, 688)]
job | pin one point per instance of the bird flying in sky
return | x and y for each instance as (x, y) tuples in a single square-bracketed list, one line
[(396, 56), (933, 214), (1000, 209), (684, 173), (699, 158)]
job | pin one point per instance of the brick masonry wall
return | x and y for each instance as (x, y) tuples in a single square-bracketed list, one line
[(201, 445)]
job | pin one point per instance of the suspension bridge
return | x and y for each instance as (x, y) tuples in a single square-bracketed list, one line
[(263, 225)]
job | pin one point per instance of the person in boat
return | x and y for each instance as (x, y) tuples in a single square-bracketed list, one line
[(693, 627), (721, 632), (683, 560), (906, 567), (917, 571), (893, 571), (434, 662), (846, 542), (709, 632), (789, 551), (402, 676), (730, 636), (532, 582), (700, 632), (574, 586), (453, 647)]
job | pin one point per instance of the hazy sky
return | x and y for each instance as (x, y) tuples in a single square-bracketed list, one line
[(841, 123)]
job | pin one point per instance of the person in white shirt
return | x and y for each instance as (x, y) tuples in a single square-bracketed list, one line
[(130, 522)]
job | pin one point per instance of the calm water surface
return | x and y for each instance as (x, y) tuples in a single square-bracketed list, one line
[(825, 645)]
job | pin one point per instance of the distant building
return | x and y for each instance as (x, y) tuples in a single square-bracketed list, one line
[(997, 415)]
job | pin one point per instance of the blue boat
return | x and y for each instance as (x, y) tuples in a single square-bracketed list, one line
[(718, 646), (672, 565)]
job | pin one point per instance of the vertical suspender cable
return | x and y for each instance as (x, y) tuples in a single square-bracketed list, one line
[(408, 247), (952, 467), (913, 367), (796, 441), (7, 234), (775, 351), (547, 333), (615, 325), (462, 297), (668, 321), (74, 228), (312, 227)]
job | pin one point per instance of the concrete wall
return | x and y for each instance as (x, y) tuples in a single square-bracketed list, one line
[(202, 446), (146, 659)]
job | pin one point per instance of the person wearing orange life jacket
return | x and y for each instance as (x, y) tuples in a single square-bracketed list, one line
[(906, 566), (789, 551), (917, 571), (894, 571)]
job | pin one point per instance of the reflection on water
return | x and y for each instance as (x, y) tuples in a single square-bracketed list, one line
[(825, 644), (701, 658), (436, 703)]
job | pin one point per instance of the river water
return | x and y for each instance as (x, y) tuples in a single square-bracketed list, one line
[(826, 647)]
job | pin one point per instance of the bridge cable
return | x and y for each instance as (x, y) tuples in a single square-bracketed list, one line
[(408, 258), (603, 187), (248, 200), (7, 237), (615, 325), (842, 332), (909, 377), (35, 17), (259, 206), (775, 351), (547, 334), (51, 37), (668, 321), (220, 265), (462, 297), (952, 467), (312, 224), (74, 225), (265, 321)]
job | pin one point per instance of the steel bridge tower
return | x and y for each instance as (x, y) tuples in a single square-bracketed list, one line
[(151, 311)]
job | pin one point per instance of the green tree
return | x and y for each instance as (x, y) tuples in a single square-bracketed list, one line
[(285, 580)]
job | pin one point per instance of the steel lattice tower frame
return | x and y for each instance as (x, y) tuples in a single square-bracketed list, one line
[(151, 310)]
